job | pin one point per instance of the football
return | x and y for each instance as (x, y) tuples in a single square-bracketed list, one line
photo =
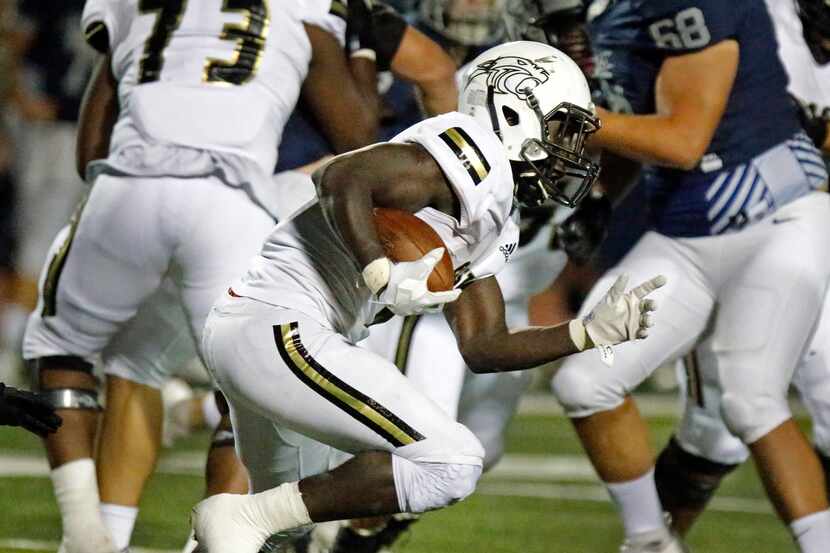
[(407, 238)]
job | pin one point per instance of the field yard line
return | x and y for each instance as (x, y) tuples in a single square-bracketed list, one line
[(517, 469), (650, 405), (597, 494), (52, 545)]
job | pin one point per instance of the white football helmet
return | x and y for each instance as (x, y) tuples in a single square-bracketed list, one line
[(537, 101)]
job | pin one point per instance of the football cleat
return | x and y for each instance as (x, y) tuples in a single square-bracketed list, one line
[(657, 541), (221, 525), (352, 540)]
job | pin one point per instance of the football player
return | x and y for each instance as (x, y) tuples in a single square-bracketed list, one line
[(690, 467), (187, 107), (281, 342), (699, 98)]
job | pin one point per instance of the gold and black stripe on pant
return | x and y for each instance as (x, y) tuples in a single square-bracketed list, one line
[(361, 407), (694, 380)]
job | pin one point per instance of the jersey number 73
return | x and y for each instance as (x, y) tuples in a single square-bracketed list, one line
[(249, 36)]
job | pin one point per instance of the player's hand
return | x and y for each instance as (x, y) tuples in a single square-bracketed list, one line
[(585, 229), (27, 409), (620, 316), (814, 120), (406, 292)]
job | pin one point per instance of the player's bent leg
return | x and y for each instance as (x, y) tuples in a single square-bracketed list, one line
[(767, 315), (409, 456), (812, 379), (68, 384), (595, 396)]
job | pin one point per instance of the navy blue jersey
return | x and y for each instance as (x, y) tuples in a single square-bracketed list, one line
[(632, 38), (58, 59)]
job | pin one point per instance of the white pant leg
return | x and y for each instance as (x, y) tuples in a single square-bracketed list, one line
[(767, 314), (701, 430), (770, 296), (154, 343), (812, 378), (131, 234), (275, 455), (115, 259), (584, 384), (287, 368)]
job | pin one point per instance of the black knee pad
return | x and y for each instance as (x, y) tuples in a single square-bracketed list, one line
[(65, 397), (685, 480), (68, 363), (825, 464)]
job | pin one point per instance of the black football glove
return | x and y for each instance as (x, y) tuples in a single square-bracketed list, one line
[(581, 234), (376, 26), (813, 120), (27, 409)]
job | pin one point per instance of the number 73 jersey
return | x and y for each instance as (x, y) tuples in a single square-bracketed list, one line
[(219, 75)]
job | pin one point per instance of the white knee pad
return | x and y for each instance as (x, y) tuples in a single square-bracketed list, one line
[(702, 430), (425, 486), (580, 391), (752, 417)]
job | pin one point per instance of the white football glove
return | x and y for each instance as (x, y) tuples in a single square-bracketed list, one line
[(619, 316), (402, 287)]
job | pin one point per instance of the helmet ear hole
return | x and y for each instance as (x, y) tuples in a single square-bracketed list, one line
[(510, 115)]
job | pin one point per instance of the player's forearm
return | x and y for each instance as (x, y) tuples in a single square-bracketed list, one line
[(653, 139), (519, 349), (826, 146), (366, 117), (424, 63), (348, 207), (438, 97)]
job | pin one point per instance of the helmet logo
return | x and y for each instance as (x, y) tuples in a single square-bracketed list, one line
[(513, 75)]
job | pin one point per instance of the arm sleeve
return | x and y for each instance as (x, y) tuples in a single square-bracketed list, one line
[(99, 25)]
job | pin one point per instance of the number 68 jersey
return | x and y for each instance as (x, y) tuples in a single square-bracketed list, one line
[(217, 75)]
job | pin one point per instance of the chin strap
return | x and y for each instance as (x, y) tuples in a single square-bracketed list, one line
[(491, 109)]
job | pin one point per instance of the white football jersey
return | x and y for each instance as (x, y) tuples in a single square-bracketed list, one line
[(221, 76), (304, 264), (808, 80)]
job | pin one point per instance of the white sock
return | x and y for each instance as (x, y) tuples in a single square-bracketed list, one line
[(76, 492), (639, 504), (210, 411), (191, 543), (280, 508), (120, 520), (812, 532)]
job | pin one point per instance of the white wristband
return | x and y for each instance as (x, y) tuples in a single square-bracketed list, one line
[(578, 334), (365, 53), (376, 274)]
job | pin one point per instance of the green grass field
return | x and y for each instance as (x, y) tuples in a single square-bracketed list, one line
[(542, 499)]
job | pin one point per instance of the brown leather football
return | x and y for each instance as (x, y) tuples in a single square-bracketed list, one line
[(407, 238)]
